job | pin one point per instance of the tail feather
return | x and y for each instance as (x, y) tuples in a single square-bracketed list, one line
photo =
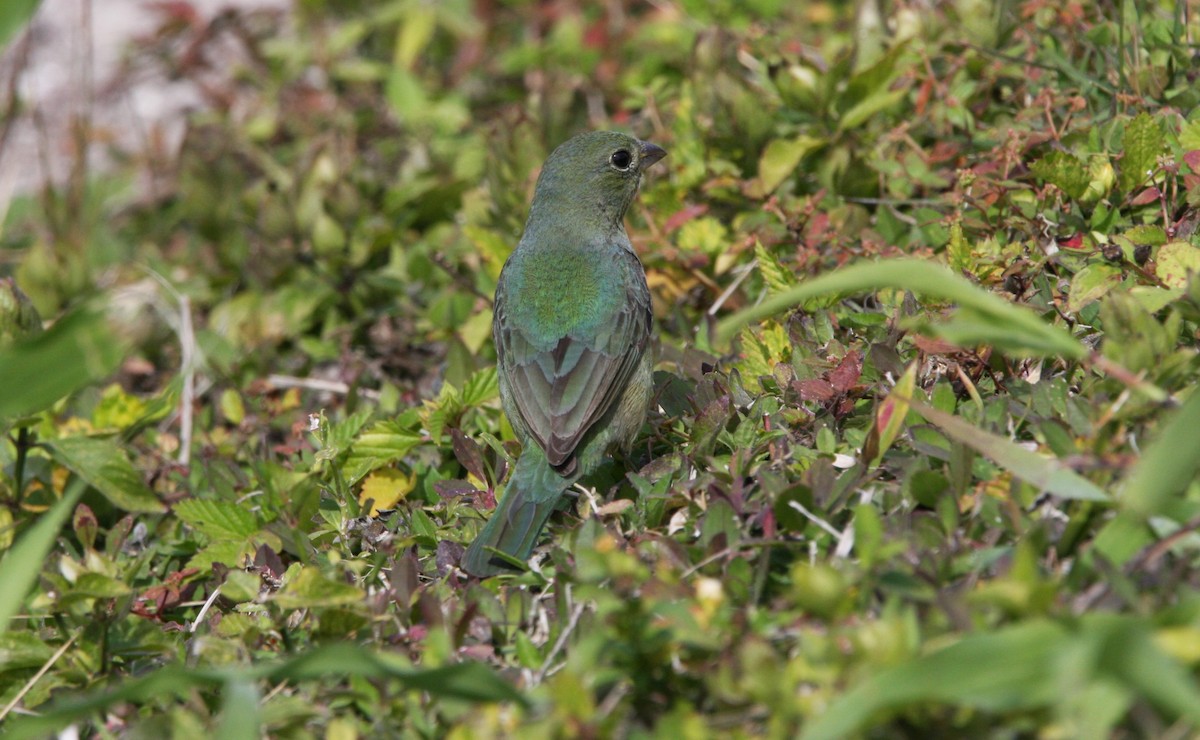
[(533, 492)]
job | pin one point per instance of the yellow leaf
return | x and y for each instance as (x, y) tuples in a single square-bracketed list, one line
[(385, 488)]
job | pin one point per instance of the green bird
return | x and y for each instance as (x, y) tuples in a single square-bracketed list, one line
[(571, 325)]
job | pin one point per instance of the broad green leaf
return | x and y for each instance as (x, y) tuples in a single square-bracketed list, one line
[(310, 588), (103, 464), (1048, 474), (870, 107), (1167, 465), (780, 159), (1178, 262), (39, 370), (14, 16), (992, 319), (1144, 141), (240, 715), (23, 563), (384, 442), (218, 520), (1064, 171), (1090, 284)]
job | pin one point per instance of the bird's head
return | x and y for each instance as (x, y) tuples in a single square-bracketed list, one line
[(594, 175)]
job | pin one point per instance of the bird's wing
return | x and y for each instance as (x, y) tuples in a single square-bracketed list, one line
[(561, 393)]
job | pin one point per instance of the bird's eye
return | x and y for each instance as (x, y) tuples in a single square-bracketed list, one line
[(621, 159)]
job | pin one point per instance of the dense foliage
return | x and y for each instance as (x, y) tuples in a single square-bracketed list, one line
[(954, 495)]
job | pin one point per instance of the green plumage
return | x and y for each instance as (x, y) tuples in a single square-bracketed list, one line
[(572, 324)]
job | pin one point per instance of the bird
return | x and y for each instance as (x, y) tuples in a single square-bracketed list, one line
[(572, 327)]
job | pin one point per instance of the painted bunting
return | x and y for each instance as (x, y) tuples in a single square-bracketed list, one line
[(571, 326)]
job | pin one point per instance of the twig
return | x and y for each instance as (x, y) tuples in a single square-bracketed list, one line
[(572, 623), (316, 384), (815, 519), (37, 677), (745, 273), (1147, 557), (204, 610)]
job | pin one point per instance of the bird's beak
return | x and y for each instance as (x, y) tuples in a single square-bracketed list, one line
[(651, 153)]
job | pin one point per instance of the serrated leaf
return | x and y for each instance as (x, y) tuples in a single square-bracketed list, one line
[(481, 387), (1064, 171), (775, 275), (1144, 141), (103, 464), (385, 488), (219, 520), (383, 443)]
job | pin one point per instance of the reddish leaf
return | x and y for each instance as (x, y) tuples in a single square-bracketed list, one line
[(817, 389), (468, 453), (1147, 196), (845, 375), (683, 215), (1074, 241)]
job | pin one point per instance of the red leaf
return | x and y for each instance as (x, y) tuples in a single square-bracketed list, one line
[(845, 375), (1193, 160), (1074, 241), (683, 215), (1147, 196), (815, 390)]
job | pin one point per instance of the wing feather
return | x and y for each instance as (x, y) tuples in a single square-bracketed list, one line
[(561, 393)]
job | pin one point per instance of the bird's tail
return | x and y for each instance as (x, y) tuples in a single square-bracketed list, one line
[(533, 493)]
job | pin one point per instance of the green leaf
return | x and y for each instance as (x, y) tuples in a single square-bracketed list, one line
[(471, 682), (218, 520), (1168, 465), (985, 318), (310, 588), (781, 157), (1049, 474), (1144, 141), (1064, 171), (1026, 666), (23, 563), (77, 350), (1178, 262), (14, 16), (240, 715), (481, 387), (1091, 284), (383, 443), (775, 275), (103, 464)]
